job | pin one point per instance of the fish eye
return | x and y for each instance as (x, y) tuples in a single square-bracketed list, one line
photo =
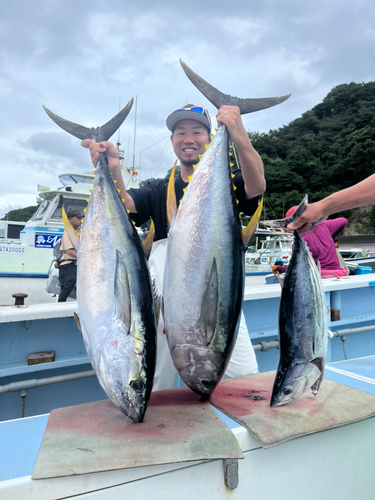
[(138, 385), (287, 391), (208, 384)]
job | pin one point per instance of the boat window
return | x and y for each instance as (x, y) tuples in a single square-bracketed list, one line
[(14, 231), (41, 210), (69, 204), (67, 180)]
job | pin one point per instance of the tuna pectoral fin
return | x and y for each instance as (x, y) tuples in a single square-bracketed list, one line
[(319, 363), (70, 231), (310, 375), (207, 319), (171, 198), (147, 244), (157, 300), (122, 293), (78, 323), (219, 99), (249, 230)]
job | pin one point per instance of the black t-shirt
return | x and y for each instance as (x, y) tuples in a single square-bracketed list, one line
[(151, 202)]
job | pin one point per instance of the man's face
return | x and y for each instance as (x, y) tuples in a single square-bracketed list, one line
[(188, 141), (75, 222)]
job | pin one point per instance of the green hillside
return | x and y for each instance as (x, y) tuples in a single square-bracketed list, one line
[(21, 214), (329, 148)]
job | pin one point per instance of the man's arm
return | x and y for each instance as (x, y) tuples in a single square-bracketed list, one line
[(251, 162), (72, 253), (359, 195), (114, 167)]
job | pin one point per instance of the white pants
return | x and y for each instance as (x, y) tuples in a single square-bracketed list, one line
[(242, 362)]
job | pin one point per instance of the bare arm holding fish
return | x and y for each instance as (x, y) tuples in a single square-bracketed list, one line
[(355, 196), (251, 162), (114, 167)]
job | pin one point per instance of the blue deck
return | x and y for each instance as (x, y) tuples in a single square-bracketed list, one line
[(59, 333), (22, 438)]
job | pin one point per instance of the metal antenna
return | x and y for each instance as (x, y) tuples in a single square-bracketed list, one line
[(135, 127)]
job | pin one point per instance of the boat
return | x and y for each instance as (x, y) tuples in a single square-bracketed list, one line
[(26, 262), (9, 233), (275, 249), (29, 392)]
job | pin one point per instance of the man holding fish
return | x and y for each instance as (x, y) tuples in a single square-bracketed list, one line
[(191, 128)]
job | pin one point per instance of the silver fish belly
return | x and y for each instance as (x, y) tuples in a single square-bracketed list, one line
[(204, 274), (302, 328), (115, 300)]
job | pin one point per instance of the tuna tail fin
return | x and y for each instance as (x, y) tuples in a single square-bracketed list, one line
[(122, 298), (147, 244), (171, 198), (249, 230), (295, 215), (98, 134), (219, 99), (74, 239)]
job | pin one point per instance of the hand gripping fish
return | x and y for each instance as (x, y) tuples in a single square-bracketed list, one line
[(114, 292), (303, 332), (204, 274)]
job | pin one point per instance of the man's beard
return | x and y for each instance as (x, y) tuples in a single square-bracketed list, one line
[(189, 163)]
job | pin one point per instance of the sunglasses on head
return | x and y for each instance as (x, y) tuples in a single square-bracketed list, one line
[(194, 108)]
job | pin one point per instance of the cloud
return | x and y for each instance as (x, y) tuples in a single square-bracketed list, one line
[(81, 58)]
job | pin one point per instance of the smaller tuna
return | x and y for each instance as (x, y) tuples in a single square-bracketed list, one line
[(302, 328)]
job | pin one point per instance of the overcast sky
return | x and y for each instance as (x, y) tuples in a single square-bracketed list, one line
[(82, 58)]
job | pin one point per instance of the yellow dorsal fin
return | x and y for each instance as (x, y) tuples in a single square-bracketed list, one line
[(133, 223), (216, 130), (90, 190), (234, 187), (190, 177), (237, 201), (249, 230), (119, 191), (128, 211), (200, 156), (233, 176), (230, 153), (206, 146), (85, 209), (147, 244), (171, 198), (195, 166), (123, 200), (184, 190), (88, 199), (94, 172), (70, 230), (231, 164), (93, 181), (114, 181)]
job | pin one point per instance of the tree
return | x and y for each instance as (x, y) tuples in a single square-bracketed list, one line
[(21, 214)]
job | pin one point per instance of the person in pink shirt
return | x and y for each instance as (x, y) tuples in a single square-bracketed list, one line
[(322, 247)]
